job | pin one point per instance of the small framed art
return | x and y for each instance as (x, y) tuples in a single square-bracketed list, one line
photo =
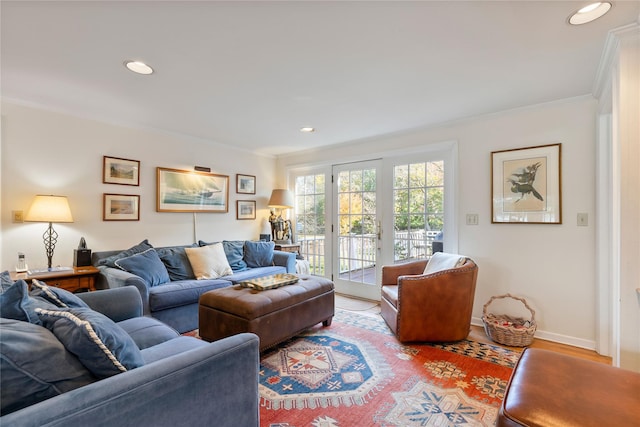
[(526, 185), (120, 171), (245, 184), (120, 207), (245, 209)]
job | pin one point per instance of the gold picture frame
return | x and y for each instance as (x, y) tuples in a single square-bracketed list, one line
[(245, 184), (120, 207), (120, 171), (526, 185), (191, 191)]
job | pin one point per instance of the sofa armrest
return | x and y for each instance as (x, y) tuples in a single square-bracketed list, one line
[(117, 304), (285, 259), (117, 278), (213, 385)]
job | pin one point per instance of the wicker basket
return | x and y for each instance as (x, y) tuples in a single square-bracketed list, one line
[(507, 330)]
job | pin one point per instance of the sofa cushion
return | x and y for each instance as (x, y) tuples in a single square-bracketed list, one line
[(15, 303), (140, 247), (147, 331), (35, 366), (56, 296), (146, 265), (258, 254), (102, 346), (234, 250), (209, 262), (171, 348), (183, 292), (175, 260), (441, 261)]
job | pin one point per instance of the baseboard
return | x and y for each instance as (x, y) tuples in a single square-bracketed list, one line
[(553, 337)]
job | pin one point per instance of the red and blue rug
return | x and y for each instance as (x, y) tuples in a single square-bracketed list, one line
[(355, 373)]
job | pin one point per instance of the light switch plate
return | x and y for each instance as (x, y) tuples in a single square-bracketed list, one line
[(472, 219), (17, 216), (583, 219)]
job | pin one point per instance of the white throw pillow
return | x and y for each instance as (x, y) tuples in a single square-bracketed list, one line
[(208, 262), (441, 261)]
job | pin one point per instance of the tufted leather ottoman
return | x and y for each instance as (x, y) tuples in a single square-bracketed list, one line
[(274, 315), (552, 390)]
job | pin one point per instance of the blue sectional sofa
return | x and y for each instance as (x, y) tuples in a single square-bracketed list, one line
[(166, 280), (160, 378)]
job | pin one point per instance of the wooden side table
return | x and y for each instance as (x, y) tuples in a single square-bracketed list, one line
[(293, 247), (80, 279)]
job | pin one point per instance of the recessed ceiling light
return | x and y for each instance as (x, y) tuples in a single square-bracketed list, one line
[(138, 67), (590, 13), (307, 129)]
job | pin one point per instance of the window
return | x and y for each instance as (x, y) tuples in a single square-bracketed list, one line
[(310, 220)]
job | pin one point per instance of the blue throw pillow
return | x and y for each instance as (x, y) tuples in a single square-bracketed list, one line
[(16, 304), (59, 297), (234, 250), (176, 262), (5, 281), (140, 247), (34, 366), (258, 254), (146, 265), (102, 346)]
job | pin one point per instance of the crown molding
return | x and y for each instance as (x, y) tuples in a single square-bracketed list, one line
[(602, 86)]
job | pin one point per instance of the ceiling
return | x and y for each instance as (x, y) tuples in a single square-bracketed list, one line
[(251, 74)]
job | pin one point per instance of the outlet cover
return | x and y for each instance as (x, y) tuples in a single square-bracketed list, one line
[(17, 216), (583, 219)]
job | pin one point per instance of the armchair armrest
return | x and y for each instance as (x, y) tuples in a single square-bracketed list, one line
[(117, 304), (212, 385), (117, 278), (285, 259), (390, 273)]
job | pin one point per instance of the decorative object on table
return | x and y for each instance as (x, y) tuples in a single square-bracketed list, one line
[(191, 191), (120, 207), (508, 330), (245, 209), (265, 232), (82, 255), (120, 171), (270, 282), (49, 208), (245, 184), (526, 185), (281, 229)]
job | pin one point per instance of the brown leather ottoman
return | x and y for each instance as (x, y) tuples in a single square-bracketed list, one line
[(274, 315), (551, 389)]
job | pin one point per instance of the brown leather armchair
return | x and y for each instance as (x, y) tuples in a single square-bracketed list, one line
[(428, 307)]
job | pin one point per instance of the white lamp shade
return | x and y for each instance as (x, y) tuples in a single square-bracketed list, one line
[(49, 209), (281, 199)]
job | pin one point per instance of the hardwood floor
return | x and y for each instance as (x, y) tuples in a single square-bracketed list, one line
[(477, 332)]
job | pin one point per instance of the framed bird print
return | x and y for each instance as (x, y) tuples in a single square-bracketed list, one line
[(526, 185)]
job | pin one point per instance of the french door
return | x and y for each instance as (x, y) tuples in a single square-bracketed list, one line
[(357, 228)]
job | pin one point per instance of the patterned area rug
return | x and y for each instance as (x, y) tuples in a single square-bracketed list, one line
[(355, 373)]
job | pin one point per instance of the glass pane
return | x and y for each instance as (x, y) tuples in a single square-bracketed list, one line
[(369, 180), (319, 184), (345, 225), (400, 176), (343, 181), (356, 203), (369, 203), (417, 173), (416, 201), (435, 200), (299, 185), (356, 181), (435, 173)]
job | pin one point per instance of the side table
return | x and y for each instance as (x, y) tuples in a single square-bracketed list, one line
[(80, 279), (292, 247)]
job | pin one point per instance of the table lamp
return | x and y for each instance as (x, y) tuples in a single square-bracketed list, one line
[(49, 208), (281, 199)]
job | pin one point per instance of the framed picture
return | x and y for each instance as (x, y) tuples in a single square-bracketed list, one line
[(245, 209), (120, 171), (245, 184), (191, 191), (526, 185), (120, 207)]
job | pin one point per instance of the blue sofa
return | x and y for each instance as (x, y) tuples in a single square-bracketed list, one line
[(182, 380), (169, 288)]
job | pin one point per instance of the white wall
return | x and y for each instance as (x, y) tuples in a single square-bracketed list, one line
[(51, 153), (552, 266)]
